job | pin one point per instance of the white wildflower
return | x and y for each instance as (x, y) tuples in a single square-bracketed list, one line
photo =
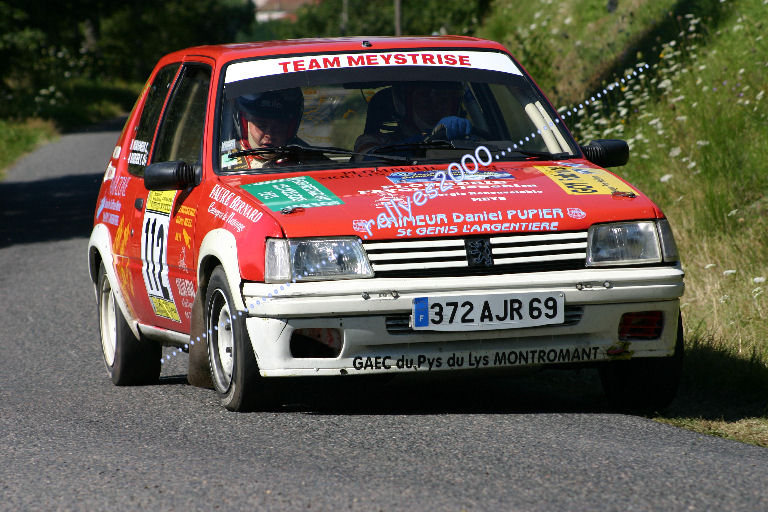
[(681, 119), (674, 152), (665, 178), (724, 298), (702, 143), (709, 265), (729, 272), (760, 279), (692, 164), (732, 212)]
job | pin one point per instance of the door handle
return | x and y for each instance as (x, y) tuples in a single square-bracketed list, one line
[(139, 203)]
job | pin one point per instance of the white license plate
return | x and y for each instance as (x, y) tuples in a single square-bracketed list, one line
[(469, 313)]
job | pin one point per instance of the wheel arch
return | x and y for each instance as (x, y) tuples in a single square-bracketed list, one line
[(100, 252), (219, 247)]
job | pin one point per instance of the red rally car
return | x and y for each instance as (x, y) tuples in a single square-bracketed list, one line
[(374, 205)]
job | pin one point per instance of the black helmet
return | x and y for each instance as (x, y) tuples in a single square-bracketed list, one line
[(287, 103), (402, 91)]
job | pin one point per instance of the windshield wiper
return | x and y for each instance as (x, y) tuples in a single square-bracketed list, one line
[(296, 150), (540, 155), (434, 144)]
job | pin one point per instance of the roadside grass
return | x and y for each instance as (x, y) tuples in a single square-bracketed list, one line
[(18, 137), (723, 392), (697, 125), (37, 119), (571, 46)]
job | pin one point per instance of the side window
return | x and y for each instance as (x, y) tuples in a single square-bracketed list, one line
[(145, 130), (181, 133)]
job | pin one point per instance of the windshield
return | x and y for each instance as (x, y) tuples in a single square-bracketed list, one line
[(339, 116)]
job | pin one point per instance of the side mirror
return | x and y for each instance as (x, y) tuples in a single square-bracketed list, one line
[(172, 176), (607, 152)]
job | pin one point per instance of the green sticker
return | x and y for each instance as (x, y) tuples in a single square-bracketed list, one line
[(299, 192)]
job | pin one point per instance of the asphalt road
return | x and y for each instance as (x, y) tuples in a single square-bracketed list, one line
[(69, 439)]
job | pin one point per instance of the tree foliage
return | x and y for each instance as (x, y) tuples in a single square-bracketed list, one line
[(44, 44), (376, 18)]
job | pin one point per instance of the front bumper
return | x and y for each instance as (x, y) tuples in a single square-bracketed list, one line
[(370, 314)]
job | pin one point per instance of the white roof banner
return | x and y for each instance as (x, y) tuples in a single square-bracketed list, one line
[(489, 61)]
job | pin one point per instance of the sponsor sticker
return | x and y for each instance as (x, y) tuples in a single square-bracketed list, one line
[(109, 173), (154, 253), (118, 185), (478, 359), (139, 152), (165, 308), (584, 180), (427, 176), (298, 192), (161, 201)]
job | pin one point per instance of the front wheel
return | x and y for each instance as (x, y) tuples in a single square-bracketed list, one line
[(129, 360), (234, 371), (647, 384)]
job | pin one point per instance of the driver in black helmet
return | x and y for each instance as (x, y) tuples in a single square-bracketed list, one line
[(422, 109), (267, 119)]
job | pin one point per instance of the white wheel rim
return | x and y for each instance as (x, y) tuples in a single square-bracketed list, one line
[(225, 341), (108, 324), (222, 338)]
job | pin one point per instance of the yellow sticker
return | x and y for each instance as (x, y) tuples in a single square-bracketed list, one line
[(161, 201), (165, 308), (186, 210), (584, 180)]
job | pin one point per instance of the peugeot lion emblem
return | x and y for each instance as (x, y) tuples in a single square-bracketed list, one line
[(479, 252)]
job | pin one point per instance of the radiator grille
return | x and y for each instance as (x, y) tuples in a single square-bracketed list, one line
[(400, 324), (449, 256)]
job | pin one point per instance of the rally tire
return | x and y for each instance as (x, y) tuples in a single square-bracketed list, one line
[(644, 385), (198, 368), (130, 361), (234, 371)]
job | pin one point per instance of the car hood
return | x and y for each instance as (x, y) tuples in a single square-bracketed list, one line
[(395, 202)]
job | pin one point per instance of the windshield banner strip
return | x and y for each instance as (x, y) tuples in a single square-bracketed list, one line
[(490, 61)]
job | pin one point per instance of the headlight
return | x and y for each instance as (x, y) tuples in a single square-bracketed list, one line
[(315, 260), (623, 243)]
